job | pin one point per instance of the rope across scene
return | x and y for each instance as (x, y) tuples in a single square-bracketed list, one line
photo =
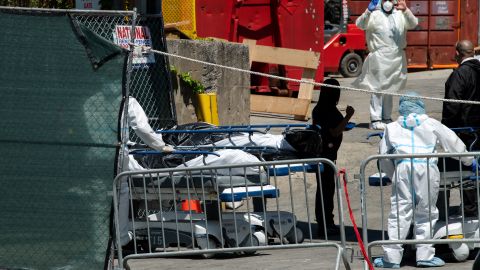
[(148, 49)]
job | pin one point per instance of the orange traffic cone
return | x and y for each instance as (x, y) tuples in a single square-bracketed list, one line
[(193, 205)]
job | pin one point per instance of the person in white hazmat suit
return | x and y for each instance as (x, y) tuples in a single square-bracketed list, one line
[(137, 120), (415, 183), (385, 68)]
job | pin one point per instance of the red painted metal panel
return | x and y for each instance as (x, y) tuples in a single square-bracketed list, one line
[(437, 20), (255, 22), (443, 38), (422, 23), (442, 55), (301, 27), (416, 56), (442, 22), (214, 18), (443, 7), (469, 20), (418, 7), (416, 38), (356, 8), (436, 23)]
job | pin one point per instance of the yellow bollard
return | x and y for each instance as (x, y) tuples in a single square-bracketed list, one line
[(207, 110), (204, 113), (214, 108)]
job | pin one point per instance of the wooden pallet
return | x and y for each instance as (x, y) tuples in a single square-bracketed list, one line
[(299, 107)]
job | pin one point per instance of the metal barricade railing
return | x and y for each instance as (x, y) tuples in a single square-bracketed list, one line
[(461, 233), (180, 211)]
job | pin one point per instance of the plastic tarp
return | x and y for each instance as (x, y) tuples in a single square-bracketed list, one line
[(60, 95)]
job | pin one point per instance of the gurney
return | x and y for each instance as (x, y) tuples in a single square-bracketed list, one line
[(256, 140), (210, 182), (232, 186), (206, 135), (211, 186)]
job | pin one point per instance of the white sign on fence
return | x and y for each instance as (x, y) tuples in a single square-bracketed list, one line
[(122, 37)]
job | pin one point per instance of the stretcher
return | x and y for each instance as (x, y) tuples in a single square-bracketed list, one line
[(248, 136), (210, 186), (243, 137), (458, 225)]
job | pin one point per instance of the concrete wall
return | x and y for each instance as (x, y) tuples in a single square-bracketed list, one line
[(233, 88)]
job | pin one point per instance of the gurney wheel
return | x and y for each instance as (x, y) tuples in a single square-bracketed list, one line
[(257, 238), (460, 251), (212, 244), (290, 236)]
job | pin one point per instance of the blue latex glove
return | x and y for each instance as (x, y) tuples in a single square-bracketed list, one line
[(373, 5), (474, 165)]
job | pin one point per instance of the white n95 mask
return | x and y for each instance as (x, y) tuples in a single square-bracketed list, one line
[(387, 6)]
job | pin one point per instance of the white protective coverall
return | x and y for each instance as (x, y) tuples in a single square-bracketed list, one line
[(411, 191), (385, 68), (138, 121)]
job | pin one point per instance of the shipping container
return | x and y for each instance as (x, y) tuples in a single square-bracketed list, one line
[(441, 24)]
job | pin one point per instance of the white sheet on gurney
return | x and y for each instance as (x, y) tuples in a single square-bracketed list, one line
[(265, 140), (226, 157)]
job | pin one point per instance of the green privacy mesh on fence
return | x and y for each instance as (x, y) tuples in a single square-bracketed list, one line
[(58, 141), (150, 83)]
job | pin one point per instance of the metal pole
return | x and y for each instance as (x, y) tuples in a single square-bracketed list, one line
[(363, 205)]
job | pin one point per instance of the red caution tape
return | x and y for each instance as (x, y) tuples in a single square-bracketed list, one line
[(352, 218)]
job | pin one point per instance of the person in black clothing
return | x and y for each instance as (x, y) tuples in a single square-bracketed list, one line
[(463, 84), (332, 123)]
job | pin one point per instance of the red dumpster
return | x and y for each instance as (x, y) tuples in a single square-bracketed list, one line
[(295, 24)]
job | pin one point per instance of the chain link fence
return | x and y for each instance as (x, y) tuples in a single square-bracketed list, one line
[(181, 13), (150, 82), (62, 78)]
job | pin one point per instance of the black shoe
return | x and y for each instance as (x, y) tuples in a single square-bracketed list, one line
[(332, 230)]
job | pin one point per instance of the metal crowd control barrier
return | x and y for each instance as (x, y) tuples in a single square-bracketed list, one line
[(180, 211), (459, 232)]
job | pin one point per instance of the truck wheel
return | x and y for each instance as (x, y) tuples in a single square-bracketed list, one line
[(351, 65)]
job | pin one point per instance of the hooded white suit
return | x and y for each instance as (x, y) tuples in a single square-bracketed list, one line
[(415, 183), (385, 68)]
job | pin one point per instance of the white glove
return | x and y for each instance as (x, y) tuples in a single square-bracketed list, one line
[(168, 149)]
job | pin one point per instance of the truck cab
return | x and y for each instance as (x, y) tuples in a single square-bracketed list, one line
[(344, 43)]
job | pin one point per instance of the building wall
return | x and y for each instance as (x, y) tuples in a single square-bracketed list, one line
[(233, 88)]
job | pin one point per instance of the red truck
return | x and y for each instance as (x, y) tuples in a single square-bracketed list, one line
[(345, 45), (296, 24)]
